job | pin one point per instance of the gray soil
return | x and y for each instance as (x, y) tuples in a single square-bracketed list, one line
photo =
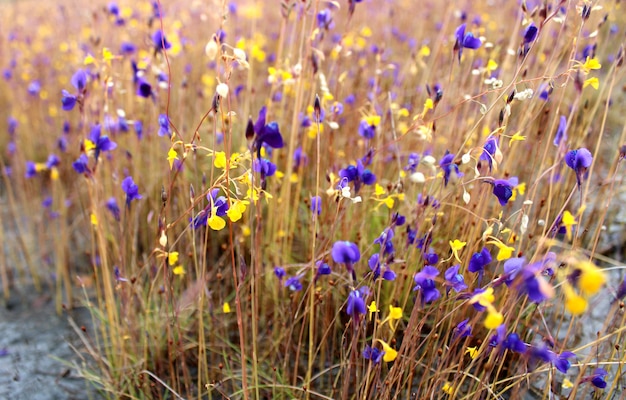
[(36, 355)]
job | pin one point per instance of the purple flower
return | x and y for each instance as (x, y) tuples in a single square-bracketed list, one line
[(31, 169), (118, 275), (465, 40), (323, 268), (293, 284), (503, 189), (561, 361), (127, 48), (131, 189), (357, 174), (299, 157), (112, 206), (264, 166), (144, 89), (344, 252), (373, 354), (355, 306), (81, 164), (489, 150), (597, 378), (425, 283), (462, 330), (268, 134), (279, 272), (447, 164), (478, 262), (514, 343), (79, 80), (366, 130), (374, 264), (500, 336), (512, 267), (34, 88), (53, 161), (164, 126), (579, 160), (412, 162), (530, 33), (159, 41), (561, 132), (101, 142), (68, 100), (384, 240), (316, 205), (454, 280)]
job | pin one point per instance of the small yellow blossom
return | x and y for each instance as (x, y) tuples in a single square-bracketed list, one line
[(593, 82), (390, 353), (171, 156), (457, 246), (94, 219), (591, 279), (372, 308), (373, 120), (179, 270), (574, 303), (220, 160), (494, 318), (236, 210), (484, 299), (590, 64), (568, 221), (472, 351), (567, 384), (504, 252), (216, 222), (172, 258), (448, 389), (226, 308), (395, 312)]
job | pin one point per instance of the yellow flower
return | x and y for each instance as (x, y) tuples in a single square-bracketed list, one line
[(179, 270), (591, 279), (568, 222), (226, 308), (457, 246), (216, 223), (590, 64), (379, 190), (171, 156), (390, 352), (484, 299), (236, 210), (372, 308), (395, 312), (593, 82), (472, 351), (504, 252), (220, 160), (567, 384), (373, 120), (574, 303), (172, 258), (494, 318), (94, 219), (448, 389)]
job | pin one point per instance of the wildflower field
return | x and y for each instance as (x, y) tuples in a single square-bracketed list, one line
[(316, 199)]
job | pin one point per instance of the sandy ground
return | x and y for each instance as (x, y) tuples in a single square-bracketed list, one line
[(35, 345)]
